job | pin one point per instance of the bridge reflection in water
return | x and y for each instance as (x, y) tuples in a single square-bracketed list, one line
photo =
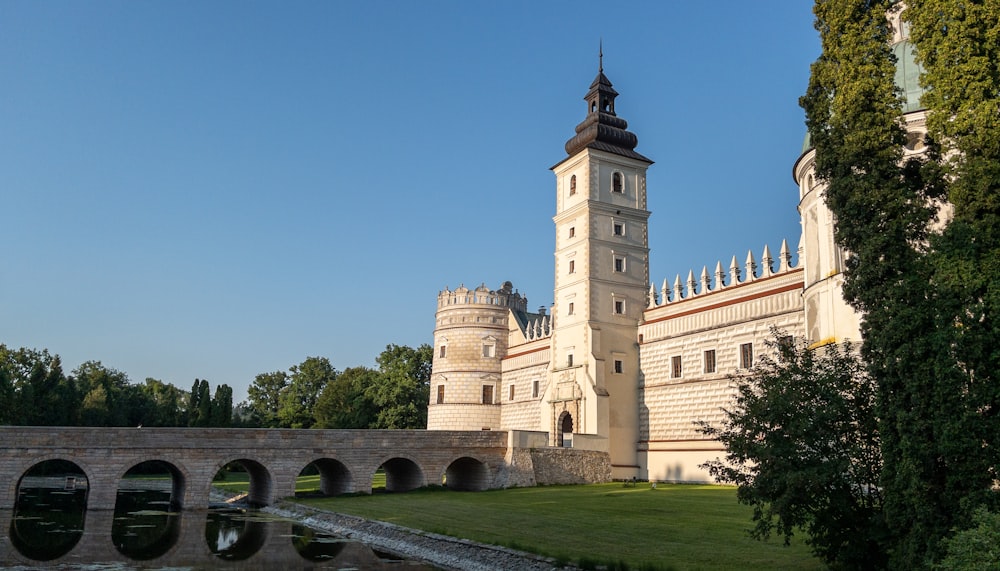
[(149, 538)]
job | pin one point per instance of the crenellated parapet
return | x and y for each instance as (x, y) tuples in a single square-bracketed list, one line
[(538, 328), (506, 296), (719, 280)]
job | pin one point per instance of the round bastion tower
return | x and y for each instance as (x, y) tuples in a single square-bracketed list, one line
[(470, 340), (829, 319)]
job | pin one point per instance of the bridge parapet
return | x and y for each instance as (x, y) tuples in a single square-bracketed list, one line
[(273, 457)]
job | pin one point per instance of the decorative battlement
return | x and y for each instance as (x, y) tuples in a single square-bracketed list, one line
[(506, 296), (705, 285), (538, 328)]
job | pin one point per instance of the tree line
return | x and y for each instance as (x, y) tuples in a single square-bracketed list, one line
[(35, 391), (889, 456)]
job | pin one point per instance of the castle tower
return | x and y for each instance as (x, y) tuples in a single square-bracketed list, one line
[(470, 339), (828, 317), (601, 282)]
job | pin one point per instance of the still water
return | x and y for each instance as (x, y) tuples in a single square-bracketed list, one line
[(51, 530)]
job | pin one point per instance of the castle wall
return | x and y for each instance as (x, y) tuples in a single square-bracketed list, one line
[(528, 365), (679, 387)]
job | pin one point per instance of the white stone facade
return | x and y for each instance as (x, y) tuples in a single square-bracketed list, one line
[(618, 365)]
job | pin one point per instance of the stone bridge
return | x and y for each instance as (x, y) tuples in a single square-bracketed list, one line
[(346, 459), (184, 546)]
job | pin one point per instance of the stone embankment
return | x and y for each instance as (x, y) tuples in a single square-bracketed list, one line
[(438, 550)]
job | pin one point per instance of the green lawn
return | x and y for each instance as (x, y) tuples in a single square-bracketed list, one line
[(239, 482), (684, 527)]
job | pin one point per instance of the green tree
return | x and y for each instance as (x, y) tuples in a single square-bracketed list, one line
[(976, 548), (802, 446), (306, 381), (264, 397), (200, 404), (222, 406), (166, 402), (402, 390), (958, 44), (105, 395), (344, 403), (6, 394), (41, 395), (927, 298)]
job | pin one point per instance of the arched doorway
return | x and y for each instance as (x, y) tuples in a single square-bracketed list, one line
[(565, 430)]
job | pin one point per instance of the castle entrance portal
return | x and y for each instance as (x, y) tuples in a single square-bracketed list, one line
[(566, 430)]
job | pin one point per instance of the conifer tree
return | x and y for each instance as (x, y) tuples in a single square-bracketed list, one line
[(928, 298)]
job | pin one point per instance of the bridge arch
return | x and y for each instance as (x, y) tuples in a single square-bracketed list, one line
[(402, 474), (335, 477), (179, 477), (261, 491), (60, 488), (467, 474), (24, 466)]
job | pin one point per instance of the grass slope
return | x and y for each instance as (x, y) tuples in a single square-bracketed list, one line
[(683, 527)]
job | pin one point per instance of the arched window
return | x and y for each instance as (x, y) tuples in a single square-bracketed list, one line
[(617, 182), (572, 185)]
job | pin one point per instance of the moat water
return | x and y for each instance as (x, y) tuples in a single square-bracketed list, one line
[(50, 529)]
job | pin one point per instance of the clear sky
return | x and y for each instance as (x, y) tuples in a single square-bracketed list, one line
[(220, 189)]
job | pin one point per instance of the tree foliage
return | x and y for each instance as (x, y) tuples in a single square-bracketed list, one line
[(344, 403), (802, 446), (297, 401), (264, 396), (402, 390), (928, 297)]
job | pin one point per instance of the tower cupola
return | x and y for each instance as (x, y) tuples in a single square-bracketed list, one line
[(602, 129)]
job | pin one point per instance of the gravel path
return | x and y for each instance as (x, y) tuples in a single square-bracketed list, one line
[(438, 550)]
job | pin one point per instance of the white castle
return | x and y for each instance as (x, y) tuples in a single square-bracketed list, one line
[(620, 365)]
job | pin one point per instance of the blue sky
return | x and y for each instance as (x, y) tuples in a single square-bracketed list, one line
[(221, 189)]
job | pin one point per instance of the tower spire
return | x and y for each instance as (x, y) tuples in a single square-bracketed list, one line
[(602, 128)]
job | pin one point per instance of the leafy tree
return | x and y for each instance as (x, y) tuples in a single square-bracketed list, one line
[(802, 447), (298, 400), (928, 298), (344, 403), (40, 393), (958, 44), (976, 548), (264, 397), (105, 395), (402, 389), (166, 401)]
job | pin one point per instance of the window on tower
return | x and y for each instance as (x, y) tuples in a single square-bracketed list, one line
[(570, 309), (572, 231), (511, 397), (572, 185), (619, 307), (617, 182), (440, 395), (619, 263), (572, 266), (618, 228), (487, 394), (619, 366)]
